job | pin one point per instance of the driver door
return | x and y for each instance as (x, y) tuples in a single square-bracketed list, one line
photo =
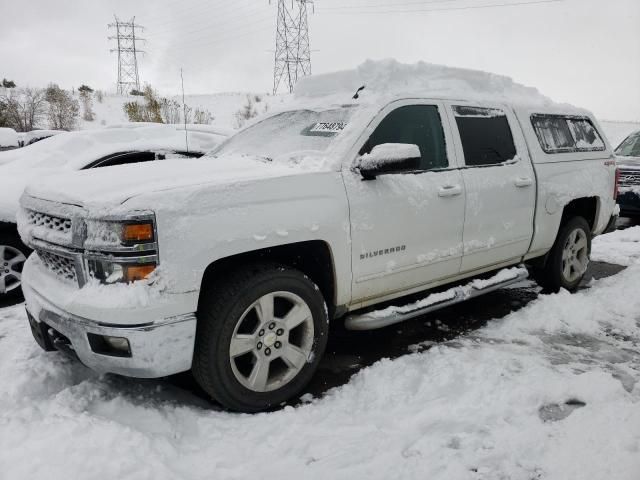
[(406, 229)]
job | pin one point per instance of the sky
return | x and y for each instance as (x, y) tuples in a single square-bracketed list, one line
[(584, 52)]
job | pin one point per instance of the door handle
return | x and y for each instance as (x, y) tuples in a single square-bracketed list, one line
[(523, 182), (449, 190)]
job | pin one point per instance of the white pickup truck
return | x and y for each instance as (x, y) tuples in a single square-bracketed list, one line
[(236, 266)]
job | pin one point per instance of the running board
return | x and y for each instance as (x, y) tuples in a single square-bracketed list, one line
[(435, 301)]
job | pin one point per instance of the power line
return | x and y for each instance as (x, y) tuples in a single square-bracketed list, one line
[(446, 9), (127, 48)]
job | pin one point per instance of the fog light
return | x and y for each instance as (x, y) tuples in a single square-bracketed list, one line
[(112, 346), (117, 343)]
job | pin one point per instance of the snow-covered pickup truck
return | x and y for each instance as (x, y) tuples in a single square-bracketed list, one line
[(335, 210)]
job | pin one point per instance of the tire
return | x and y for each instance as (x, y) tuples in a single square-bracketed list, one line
[(289, 337), (567, 261), (13, 254)]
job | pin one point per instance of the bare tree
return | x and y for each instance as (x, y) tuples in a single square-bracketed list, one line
[(202, 116), (63, 109), (247, 112), (170, 110), (24, 109)]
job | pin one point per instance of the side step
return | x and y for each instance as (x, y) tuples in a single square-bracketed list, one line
[(435, 301)]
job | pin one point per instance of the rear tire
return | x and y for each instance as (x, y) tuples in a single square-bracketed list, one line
[(13, 254), (260, 337), (568, 259)]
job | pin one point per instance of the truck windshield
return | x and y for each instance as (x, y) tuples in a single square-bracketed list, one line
[(630, 147), (289, 133)]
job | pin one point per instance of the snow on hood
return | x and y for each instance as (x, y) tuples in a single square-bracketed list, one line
[(102, 188), (392, 78)]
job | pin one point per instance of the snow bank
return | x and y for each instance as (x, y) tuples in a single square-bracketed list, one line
[(476, 407), (389, 77), (621, 247)]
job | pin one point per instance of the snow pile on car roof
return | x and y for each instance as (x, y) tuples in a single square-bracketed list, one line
[(392, 78), (74, 150)]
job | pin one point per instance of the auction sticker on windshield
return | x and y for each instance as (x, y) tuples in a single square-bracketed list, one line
[(330, 128)]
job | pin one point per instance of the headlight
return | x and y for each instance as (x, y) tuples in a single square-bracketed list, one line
[(121, 250), (112, 271), (119, 233)]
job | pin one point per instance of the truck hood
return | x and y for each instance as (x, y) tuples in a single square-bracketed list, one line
[(106, 187)]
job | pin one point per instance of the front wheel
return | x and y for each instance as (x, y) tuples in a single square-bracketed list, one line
[(260, 337), (569, 257), (13, 254)]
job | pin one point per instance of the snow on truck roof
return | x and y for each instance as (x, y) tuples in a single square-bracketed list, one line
[(385, 80)]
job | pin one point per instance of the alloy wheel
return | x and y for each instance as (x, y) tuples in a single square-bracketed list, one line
[(272, 341)]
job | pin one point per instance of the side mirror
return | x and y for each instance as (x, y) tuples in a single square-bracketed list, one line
[(389, 158)]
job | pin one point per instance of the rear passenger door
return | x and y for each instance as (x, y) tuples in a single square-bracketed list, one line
[(499, 181)]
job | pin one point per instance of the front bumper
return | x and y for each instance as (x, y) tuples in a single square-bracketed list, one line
[(162, 348), (629, 204)]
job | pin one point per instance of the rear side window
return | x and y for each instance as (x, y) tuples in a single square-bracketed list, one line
[(413, 124), (485, 134), (566, 134)]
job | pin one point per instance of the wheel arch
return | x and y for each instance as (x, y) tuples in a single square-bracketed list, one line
[(314, 258)]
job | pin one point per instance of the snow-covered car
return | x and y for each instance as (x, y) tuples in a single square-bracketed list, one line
[(342, 208), (29, 138), (628, 155), (9, 139), (80, 150)]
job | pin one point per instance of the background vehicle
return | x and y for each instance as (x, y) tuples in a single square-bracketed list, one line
[(81, 150), (28, 138), (9, 139), (628, 158), (326, 212)]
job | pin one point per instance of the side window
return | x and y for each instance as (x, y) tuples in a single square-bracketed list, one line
[(565, 134), (414, 124), (124, 159), (585, 134), (485, 134)]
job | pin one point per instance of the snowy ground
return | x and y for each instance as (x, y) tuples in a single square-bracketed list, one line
[(547, 392)]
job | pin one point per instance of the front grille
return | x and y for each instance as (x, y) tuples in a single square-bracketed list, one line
[(629, 178), (62, 266), (57, 224)]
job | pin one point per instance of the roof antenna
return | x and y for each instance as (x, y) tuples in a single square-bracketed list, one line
[(357, 95), (184, 113)]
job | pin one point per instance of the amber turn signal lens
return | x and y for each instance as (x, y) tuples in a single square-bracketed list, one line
[(137, 232), (137, 272)]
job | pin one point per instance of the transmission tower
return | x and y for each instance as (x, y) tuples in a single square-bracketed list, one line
[(127, 48), (293, 56)]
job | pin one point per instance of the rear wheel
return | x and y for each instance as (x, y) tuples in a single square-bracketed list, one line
[(261, 334), (13, 254), (569, 257)]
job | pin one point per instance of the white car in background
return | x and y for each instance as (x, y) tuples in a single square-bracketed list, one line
[(9, 139), (69, 151)]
